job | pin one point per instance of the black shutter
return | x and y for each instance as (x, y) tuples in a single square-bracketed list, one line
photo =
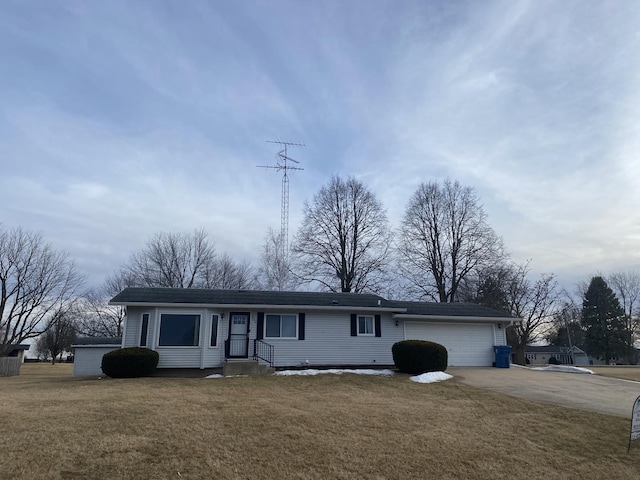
[(301, 326), (378, 326), (260, 326), (354, 325)]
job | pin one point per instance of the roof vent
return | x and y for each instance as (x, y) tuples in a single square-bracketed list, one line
[(378, 302)]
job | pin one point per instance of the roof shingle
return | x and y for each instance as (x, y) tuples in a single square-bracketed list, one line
[(150, 296)]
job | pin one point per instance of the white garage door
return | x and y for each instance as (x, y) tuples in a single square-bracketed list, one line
[(467, 345)]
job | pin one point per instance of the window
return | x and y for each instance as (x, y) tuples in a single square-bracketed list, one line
[(281, 326), (214, 331), (179, 330), (144, 330), (365, 325)]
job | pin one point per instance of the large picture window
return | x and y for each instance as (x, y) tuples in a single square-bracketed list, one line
[(179, 330), (281, 326), (365, 325)]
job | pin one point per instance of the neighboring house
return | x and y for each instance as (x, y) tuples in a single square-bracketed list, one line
[(19, 351), (193, 328), (540, 355), (88, 352)]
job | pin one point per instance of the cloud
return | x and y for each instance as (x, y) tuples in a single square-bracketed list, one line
[(124, 119)]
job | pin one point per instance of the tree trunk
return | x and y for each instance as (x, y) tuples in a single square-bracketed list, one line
[(520, 355)]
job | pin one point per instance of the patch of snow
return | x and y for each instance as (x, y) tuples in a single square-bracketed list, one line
[(215, 375), (431, 377), (563, 368), (336, 371)]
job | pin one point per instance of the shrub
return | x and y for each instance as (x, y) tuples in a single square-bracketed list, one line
[(419, 356), (553, 361), (130, 362)]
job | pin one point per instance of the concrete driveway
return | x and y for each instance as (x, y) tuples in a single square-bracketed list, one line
[(587, 392)]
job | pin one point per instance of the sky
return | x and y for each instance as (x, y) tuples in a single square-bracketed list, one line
[(122, 119)]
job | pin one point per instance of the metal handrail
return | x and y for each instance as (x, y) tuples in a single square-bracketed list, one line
[(263, 351)]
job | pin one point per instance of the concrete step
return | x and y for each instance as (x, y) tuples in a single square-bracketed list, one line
[(245, 367)]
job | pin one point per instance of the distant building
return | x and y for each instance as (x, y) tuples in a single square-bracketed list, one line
[(19, 351), (543, 355)]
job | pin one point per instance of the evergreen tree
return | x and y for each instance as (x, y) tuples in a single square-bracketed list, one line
[(606, 334)]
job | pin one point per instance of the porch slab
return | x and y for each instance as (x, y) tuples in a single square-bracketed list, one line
[(245, 367)]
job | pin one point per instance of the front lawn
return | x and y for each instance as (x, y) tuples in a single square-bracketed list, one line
[(271, 427), (625, 372)]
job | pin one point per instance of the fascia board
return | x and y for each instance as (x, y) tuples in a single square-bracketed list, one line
[(251, 306), (455, 318)]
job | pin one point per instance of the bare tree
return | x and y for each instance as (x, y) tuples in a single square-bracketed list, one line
[(626, 286), (444, 238), (225, 273), (95, 317), (344, 241), (488, 287), (173, 260), (35, 282), (59, 337), (566, 329), (507, 287), (275, 269), (536, 303)]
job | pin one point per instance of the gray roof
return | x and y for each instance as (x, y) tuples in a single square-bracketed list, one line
[(98, 341), (457, 309), (165, 296), (551, 349), (247, 297)]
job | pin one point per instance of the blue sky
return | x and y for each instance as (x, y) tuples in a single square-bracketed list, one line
[(122, 119)]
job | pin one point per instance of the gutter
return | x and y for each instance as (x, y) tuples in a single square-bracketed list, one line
[(245, 306), (453, 318)]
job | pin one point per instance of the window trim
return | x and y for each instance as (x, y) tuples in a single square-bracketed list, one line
[(199, 328), (373, 326), (297, 323)]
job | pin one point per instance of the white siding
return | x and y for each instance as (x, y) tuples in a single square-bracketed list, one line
[(202, 356), (468, 345), (133, 326), (88, 359), (328, 341), (214, 356), (178, 357), (500, 335)]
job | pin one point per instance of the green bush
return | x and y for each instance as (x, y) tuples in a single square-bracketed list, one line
[(553, 361), (130, 362), (419, 356)]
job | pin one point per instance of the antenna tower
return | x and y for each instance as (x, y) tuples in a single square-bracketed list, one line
[(282, 165)]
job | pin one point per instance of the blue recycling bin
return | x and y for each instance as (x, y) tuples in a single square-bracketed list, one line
[(503, 355)]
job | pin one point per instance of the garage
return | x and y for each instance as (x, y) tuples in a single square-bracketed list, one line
[(468, 345)]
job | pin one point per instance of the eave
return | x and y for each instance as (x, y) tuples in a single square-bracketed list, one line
[(456, 318), (252, 306)]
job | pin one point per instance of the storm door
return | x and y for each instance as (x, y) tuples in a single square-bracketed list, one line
[(238, 335)]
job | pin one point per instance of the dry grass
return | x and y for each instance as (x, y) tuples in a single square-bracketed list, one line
[(324, 427), (626, 372)]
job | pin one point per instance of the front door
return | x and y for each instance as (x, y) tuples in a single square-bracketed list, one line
[(238, 334)]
